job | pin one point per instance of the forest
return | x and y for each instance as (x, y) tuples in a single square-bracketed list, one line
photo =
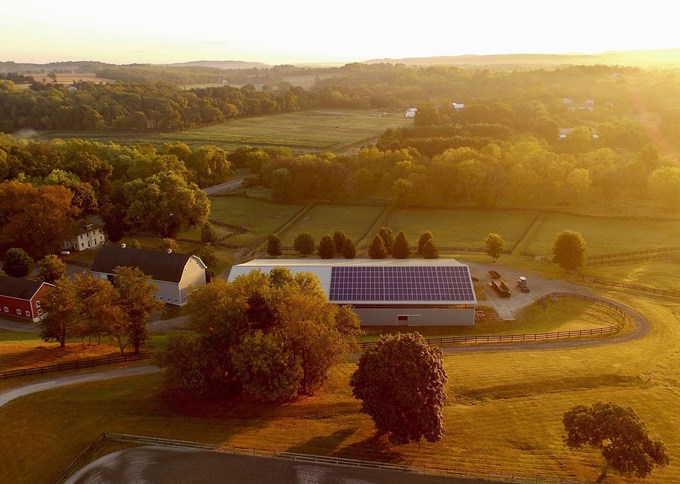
[(597, 137)]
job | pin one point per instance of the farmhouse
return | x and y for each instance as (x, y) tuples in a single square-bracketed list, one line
[(411, 112), (89, 236), (389, 292), (21, 297), (174, 274)]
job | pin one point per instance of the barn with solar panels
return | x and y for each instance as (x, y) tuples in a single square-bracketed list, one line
[(389, 292)]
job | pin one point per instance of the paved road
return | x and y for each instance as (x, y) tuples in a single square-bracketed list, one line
[(8, 396), (223, 187), (153, 464), (22, 327)]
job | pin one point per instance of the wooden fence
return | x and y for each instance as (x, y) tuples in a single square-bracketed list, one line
[(635, 287), (74, 365), (527, 337), (297, 457)]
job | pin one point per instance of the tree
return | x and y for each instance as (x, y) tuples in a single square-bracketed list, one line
[(569, 250), (51, 268), (95, 299), (348, 249), (494, 245), (424, 237), (168, 245), (274, 245), (401, 249), (208, 234), (304, 244), (664, 186), (136, 293), (282, 185), (17, 263), (166, 204), (339, 238), (206, 253), (400, 382), (619, 433), (430, 250), (386, 234), (326, 247), (60, 310), (377, 249)]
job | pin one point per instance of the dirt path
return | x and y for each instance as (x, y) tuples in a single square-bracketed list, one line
[(8, 396)]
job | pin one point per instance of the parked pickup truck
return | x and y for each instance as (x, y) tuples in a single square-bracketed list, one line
[(494, 275), (522, 284), (501, 288)]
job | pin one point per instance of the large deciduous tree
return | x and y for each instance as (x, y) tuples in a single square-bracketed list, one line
[(569, 250), (136, 298), (17, 263), (36, 219), (619, 434), (60, 312), (494, 246), (51, 268), (400, 382), (166, 204)]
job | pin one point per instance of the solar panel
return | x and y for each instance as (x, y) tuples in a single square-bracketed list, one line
[(439, 283)]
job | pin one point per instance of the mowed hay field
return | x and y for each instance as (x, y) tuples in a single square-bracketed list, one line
[(503, 412), (320, 131)]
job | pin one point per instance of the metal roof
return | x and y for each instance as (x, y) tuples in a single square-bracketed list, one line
[(380, 281), (158, 264), (18, 287)]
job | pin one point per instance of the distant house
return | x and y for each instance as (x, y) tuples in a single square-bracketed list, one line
[(90, 235), (588, 104), (173, 273), (411, 112), (21, 297), (457, 106)]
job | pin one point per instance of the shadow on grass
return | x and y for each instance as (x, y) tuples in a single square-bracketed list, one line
[(324, 444), (376, 448)]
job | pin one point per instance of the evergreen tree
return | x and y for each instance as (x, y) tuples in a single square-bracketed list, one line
[(377, 249), (386, 234), (424, 237), (274, 245), (430, 250), (17, 263), (339, 239), (326, 247), (304, 244), (348, 249), (401, 249)]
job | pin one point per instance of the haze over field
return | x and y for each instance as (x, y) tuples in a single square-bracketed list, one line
[(306, 31)]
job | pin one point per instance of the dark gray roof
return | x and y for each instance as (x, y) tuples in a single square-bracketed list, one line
[(158, 264), (18, 287)]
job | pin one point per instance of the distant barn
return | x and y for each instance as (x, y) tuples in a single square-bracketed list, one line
[(389, 292)]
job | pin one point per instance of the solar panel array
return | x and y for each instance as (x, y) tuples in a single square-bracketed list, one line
[(439, 283)]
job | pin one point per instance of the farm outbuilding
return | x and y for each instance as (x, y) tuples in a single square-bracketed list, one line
[(21, 297), (389, 292)]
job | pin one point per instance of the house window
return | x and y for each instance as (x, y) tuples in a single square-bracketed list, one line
[(37, 304), (28, 314), (39, 311), (175, 299), (19, 312), (6, 309), (161, 298)]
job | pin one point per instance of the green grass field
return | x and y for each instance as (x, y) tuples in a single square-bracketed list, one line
[(503, 412), (605, 234), (656, 274), (462, 228), (321, 130), (260, 217), (353, 220)]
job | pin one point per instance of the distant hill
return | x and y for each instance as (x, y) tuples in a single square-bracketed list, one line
[(70, 66), (645, 58), (228, 64)]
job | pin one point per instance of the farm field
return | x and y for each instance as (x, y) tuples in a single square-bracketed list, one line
[(656, 274), (353, 220), (260, 217), (608, 234), (462, 228), (503, 412), (320, 131)]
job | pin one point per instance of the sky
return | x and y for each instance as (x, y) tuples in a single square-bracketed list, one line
[(306, 31)]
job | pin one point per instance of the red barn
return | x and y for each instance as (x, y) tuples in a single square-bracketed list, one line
[(21, 297)]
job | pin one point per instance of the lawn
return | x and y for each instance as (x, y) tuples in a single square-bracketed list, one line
[(260, 217), (503, 412), (353, 220), (608, 234), (462, 228), (321, 130)]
